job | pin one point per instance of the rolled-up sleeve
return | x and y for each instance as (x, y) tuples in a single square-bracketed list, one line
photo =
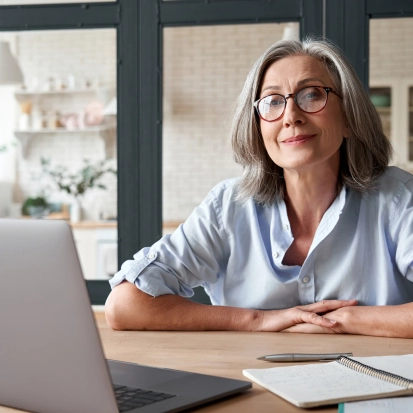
[(194, 255)]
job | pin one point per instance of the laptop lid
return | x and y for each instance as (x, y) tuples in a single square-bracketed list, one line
[(51, 359)]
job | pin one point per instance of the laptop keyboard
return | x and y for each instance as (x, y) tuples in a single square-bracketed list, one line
[(129, 398)]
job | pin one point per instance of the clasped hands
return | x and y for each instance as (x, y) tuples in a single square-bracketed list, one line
[(327, 316)]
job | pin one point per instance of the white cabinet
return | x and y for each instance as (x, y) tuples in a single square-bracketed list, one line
[(97, 250), (397, 118), (106, 252), (85, 244)]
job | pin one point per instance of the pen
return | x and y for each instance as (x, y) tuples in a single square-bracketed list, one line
[(303, 357)]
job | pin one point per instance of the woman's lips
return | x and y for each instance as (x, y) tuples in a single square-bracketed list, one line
[(296, 140)]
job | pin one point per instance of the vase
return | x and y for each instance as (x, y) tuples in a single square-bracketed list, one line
[(75, 211)]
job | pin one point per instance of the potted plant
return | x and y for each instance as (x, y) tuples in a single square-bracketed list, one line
[(76, 184), (35, 207)]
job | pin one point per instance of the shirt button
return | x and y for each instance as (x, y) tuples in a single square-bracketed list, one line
[(306, 279), (275, 254), (151, 256), (287, 227)]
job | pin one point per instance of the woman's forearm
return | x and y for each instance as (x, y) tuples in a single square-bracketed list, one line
[(128, 308)]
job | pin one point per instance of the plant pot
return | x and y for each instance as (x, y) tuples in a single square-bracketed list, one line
[(38, 211)]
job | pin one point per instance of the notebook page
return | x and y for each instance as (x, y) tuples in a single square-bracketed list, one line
[(393, 405), (319, 384), (400, 365)]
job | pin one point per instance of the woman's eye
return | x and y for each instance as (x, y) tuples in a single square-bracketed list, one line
[(312, 94), (276, 102)]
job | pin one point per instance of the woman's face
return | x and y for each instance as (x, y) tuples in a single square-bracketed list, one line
[(300, 140)]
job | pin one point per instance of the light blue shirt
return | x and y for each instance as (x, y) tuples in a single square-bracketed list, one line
[(362, 249)]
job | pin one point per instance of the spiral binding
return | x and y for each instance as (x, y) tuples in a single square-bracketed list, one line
[(379, 374)]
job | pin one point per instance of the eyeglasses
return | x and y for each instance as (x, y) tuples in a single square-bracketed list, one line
[(311, 99)]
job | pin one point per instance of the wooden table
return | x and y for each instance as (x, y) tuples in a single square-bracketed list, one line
[(227, 353)]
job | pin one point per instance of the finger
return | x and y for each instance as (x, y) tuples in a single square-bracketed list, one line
[(327, 305), (313, 318), (293, 316), (278, 320)]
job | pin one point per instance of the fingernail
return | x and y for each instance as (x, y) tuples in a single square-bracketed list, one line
[(331, 321)]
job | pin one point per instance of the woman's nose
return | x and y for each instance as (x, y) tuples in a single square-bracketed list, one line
[(293, 115)]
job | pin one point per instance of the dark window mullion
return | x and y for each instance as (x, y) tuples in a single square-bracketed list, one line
[(347, 25), (229, 12), (311, 18), (59, 16), (139, 124), (385, 8)]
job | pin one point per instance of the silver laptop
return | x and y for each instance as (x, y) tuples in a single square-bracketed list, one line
[(51, 359)]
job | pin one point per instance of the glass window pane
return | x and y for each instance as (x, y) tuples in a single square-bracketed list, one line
[(391, 83), (59, 137), (204, 71)]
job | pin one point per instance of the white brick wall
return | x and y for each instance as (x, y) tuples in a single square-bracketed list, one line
[(86, 54), (391, 48), (204, 71)]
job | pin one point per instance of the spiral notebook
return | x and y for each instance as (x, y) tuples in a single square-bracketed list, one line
[(347, 379)]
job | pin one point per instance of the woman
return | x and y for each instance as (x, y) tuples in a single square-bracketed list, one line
[(317, 221)]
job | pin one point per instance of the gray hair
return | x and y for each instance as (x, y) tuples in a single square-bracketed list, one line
[(364, 155)]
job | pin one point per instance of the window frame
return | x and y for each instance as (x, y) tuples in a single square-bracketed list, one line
[(139, 25), (347, 24), (69, 16)]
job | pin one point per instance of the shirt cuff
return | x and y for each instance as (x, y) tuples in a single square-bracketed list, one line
[(131, 269), (155, 280)]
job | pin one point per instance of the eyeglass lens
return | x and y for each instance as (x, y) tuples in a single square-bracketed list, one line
[(310, 99)]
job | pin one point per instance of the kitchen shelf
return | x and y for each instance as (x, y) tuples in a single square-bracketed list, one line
[(62, 91), (97, 128), (106, 131), (105, 93), (43, 98)]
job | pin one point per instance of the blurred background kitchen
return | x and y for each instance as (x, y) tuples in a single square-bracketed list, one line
[(58, 119)]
